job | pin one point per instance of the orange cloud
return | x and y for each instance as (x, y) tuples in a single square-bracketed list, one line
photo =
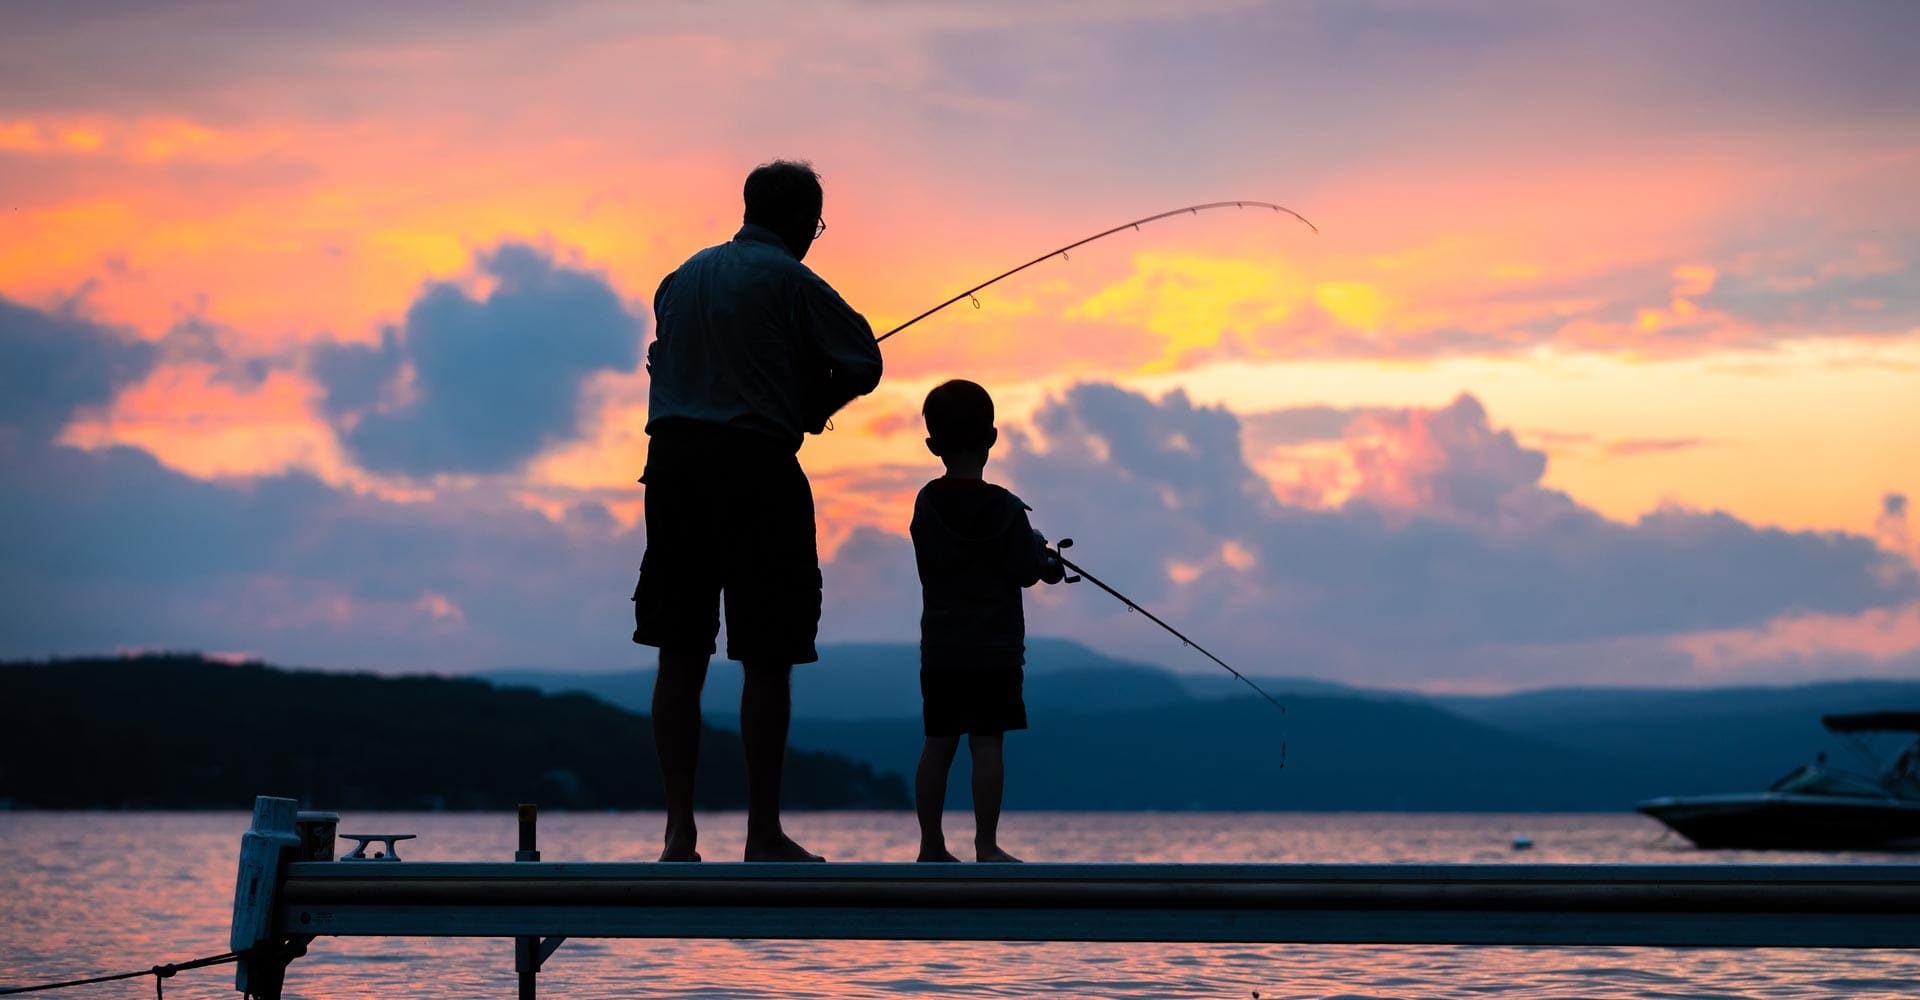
[(195, 421)]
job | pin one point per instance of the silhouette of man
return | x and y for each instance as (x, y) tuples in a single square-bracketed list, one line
[(751, 350)]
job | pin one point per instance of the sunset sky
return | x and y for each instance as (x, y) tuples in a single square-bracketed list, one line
[(320, 323)]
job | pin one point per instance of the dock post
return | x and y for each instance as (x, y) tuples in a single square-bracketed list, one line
[(526, 949), (263, 849)]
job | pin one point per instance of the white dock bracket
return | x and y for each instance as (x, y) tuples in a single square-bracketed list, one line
[(264, 849)]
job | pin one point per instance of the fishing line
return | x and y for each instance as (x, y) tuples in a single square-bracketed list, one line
[(1062, 252), (1079, 574)]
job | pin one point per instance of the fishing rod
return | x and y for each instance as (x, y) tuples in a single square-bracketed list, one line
[(1079, 574), (1062, 252)]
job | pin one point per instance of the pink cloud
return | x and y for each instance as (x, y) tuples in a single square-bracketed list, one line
[(1878, 636)]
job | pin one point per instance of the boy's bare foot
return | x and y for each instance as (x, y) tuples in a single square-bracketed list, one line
[(680, 845), (780, 848), (995, 854), (939, 853)]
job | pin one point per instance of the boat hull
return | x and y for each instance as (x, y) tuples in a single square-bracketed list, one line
[(1775, 821)]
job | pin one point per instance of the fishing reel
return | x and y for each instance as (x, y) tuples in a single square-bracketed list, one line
[(1061, 546)]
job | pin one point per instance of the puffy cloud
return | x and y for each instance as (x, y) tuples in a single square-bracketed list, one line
[(110, 549), (1445, 462), (1448, 564), (53, 364), (494, 381)]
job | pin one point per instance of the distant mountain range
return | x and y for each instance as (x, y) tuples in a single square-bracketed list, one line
[(184, 732), (1114, 734)]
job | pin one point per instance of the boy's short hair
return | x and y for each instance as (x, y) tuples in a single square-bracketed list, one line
[(781, 191), (959, 417)]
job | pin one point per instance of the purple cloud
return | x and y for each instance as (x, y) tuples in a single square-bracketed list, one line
[(494, 381), (52, 363)]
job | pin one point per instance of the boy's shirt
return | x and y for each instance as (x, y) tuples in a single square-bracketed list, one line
[(975, 550)]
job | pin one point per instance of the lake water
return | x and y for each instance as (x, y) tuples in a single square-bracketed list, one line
[(84, 894)]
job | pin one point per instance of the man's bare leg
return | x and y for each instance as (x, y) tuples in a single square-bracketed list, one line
[(676, 742), (766, 710), (989, 780), (930, 795)]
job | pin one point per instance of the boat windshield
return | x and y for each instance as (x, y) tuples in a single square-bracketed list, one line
[(1812, 780)]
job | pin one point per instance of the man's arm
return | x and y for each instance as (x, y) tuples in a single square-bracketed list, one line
[(843, 347), (659, 298)]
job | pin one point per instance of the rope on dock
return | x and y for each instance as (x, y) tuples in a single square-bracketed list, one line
[(160, 974)]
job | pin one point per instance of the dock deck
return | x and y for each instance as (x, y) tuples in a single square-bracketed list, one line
[(1842, 906)]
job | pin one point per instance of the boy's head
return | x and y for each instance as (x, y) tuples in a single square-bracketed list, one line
[(959, 418)]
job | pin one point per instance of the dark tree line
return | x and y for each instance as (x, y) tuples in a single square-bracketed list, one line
[(178, 731)]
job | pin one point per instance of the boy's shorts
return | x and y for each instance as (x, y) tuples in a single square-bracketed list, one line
[(964, 694), (727, 511)]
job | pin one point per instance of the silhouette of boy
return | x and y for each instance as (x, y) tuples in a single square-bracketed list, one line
[(975, 551)]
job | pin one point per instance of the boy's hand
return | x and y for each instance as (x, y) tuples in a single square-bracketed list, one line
[(1050, 569)]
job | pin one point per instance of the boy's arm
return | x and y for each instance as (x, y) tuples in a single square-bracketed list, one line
[(1052, 570), (1024, 550)]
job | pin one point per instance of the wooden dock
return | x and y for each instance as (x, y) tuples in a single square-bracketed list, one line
[(541, 903)]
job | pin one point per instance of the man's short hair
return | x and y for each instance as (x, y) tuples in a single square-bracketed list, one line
[(959, 417), (781, 192)]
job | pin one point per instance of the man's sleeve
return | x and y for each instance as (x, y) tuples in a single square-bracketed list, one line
[(659, 297), (843, 341)]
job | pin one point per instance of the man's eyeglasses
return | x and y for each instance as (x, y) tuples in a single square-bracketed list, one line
[(819, 226)]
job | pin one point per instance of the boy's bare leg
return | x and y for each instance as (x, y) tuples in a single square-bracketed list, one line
[(989, 779), (676, 742), (930, 795), (766, 710)]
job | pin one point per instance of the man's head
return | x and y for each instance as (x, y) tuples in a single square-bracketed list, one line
[(959, 417), (785, 196)]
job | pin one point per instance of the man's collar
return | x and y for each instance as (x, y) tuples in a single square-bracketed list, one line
[(761, 234)]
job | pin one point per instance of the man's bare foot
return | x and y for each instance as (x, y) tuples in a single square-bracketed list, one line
[(995, 854), (686, 855), (936, 853), (781, 848)]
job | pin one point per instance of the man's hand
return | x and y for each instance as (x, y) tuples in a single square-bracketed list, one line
[(817, 402), (822, 394)]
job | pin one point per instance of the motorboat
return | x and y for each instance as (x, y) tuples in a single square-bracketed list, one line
[(1816, 807)]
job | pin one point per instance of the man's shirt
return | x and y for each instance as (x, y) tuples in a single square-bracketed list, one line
[(746, 336)]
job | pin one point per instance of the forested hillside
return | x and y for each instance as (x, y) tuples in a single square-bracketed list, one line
[(183, 732)]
